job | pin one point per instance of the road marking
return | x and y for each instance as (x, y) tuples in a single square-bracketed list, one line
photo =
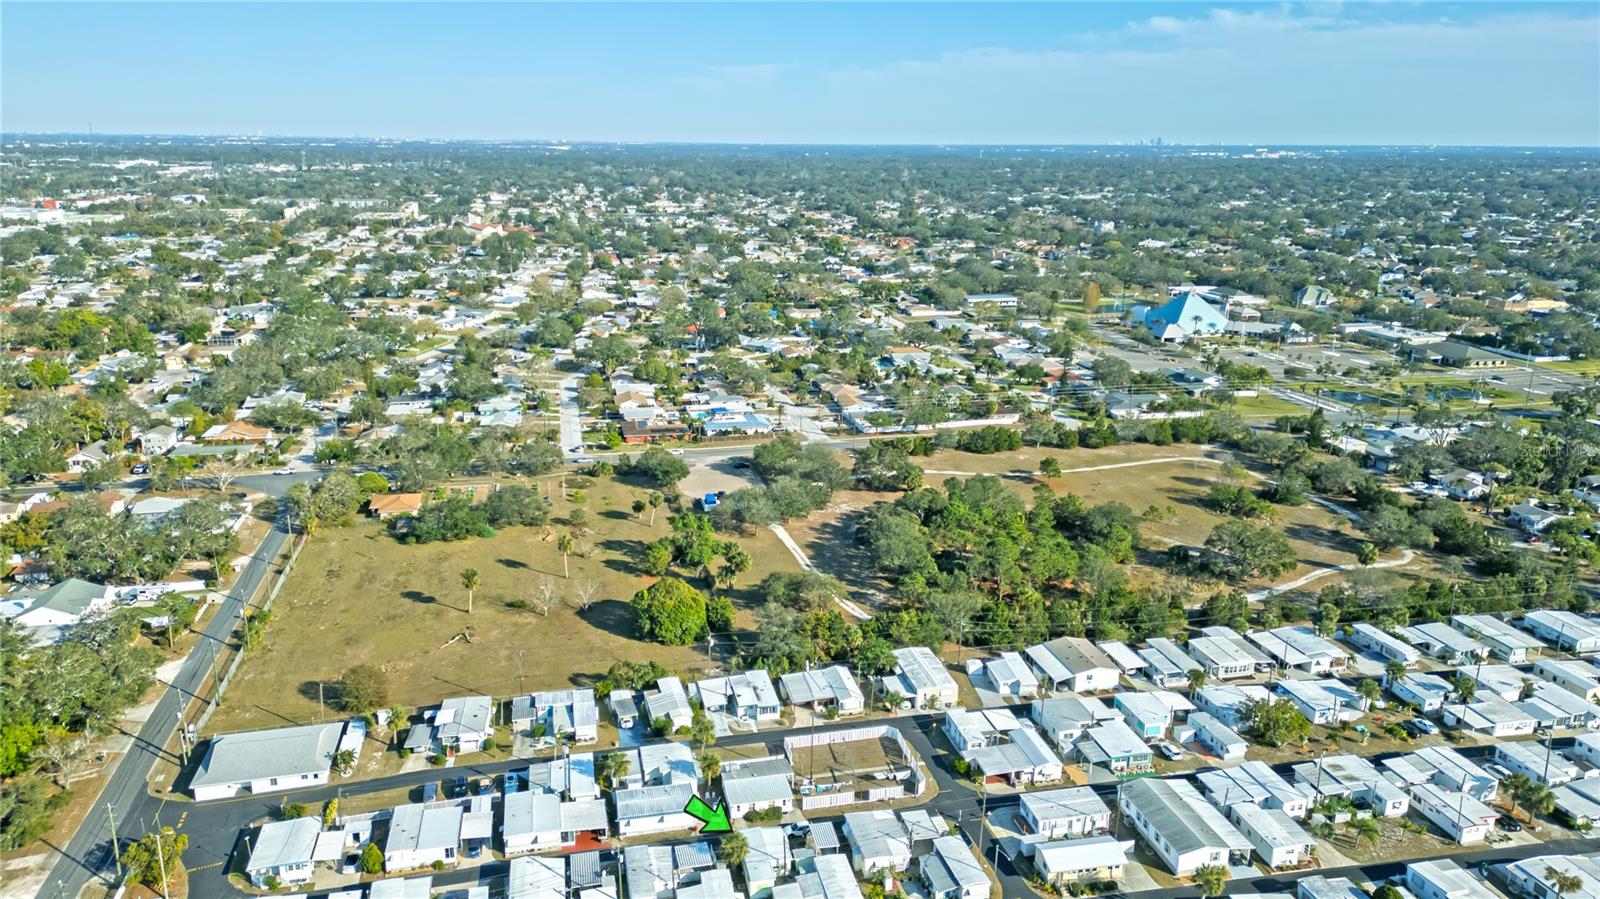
[(206, 867)]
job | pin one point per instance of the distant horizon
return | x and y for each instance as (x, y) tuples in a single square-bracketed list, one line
[(243, 139), (1207, 73)]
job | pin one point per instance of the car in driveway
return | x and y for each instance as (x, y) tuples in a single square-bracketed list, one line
[(1425, 726), (1508, 824), (141, 468), (430, 791), (1169, 750)]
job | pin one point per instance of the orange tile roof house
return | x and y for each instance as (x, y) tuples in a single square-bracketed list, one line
[(237, 432), (384, 506)]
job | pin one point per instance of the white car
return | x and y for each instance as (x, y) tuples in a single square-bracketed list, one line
[(675, 452), (285, 471)]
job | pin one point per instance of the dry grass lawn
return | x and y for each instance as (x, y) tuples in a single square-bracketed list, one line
[(357, 596)]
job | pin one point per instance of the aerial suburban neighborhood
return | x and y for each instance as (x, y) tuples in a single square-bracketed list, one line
[(400, 519)]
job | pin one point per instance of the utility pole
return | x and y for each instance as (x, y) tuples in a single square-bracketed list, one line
[(161, 858), (116, 848)]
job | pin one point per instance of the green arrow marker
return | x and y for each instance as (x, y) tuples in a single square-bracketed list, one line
[(715, 820)]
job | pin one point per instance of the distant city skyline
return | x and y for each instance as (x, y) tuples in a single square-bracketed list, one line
[(1473, 74)]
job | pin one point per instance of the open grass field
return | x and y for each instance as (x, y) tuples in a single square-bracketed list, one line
[(1139, 475), (357, 596)]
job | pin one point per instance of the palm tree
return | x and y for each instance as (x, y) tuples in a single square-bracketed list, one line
[(566, 544), (1527, 690), (613, 769), (469, 580), (1538, 800), (1394, 672), (1370, 691), (1465, 687), (1211, 879), (655, 500), (1366, 829), (1563, 882), (733, 849), (711, 765), (1516, 787), (1197, 681)]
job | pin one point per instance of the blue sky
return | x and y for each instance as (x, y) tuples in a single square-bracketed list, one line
[(1352, 73)]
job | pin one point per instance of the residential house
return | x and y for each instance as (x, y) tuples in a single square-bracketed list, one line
[(1255, 783), (878, 841), (1324, 701), (460, 724), (746, 696), (1445, 643), (48, 613), (1355, 778), (1074, 663), (757, 785), (1057, 814), (654, 809), (920, 677), (1122, 656), (1063, 719), (1275, 836), (1543, 765), (1063, 863), (283, 852), (1504, 641), (1114, 745), (1531, 877), (1441, 878), (1443, 767), (1301, 647), (823, 689), (1226, 702), (421, 834), (1371, 638), (1463, 484), (1151, 714), (668, 702), (384, 506), (1462, 818), (1217, 738), (1223, 654), (1185, 832), (1575, 675), (566, 713), (1490, 716), (1564, 630), (1427, 692), (1168, 666), (266, 761), (1530, 518), (950, 871), (1011, 677)]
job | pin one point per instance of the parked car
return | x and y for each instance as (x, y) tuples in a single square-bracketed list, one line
[(485, 786), (351, 863), (1508, 824), (1171, 751), (513, 783), (141, 468), (459, 786), (1424, 726), (430, 791)]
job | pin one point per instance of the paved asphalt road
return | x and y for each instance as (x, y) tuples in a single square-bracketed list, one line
[(88, 854)]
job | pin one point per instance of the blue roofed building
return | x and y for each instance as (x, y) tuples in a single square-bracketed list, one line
[(1184, 318)]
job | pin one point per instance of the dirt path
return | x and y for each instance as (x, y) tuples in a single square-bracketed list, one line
[(1404, 559), (799, 554), (1135, 464)]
